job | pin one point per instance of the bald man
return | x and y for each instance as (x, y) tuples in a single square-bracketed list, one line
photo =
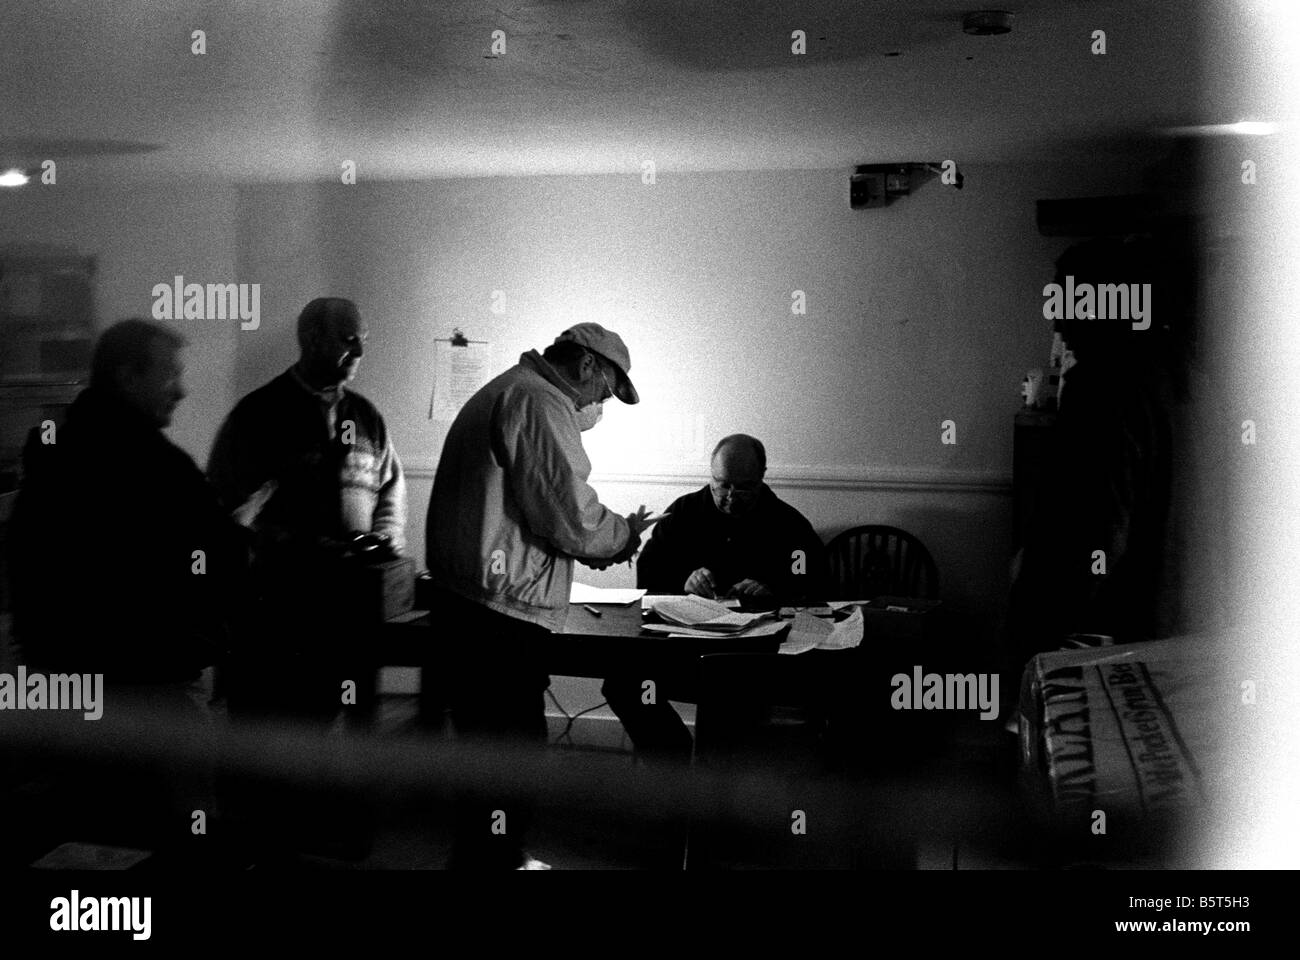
[(307, 464), (732, 537), (317, 452)]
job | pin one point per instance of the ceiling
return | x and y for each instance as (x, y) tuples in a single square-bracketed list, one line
[(291, 89)]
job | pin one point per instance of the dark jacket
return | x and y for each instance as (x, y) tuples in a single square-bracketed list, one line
[(103, 551), (760, 545), (1106, 488), (328, 486)]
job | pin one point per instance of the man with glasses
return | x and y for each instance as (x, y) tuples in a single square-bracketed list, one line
[(734, 537), (511, 510), (731, 538)]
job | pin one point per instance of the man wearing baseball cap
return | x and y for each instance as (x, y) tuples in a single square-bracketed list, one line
[(511, 510)]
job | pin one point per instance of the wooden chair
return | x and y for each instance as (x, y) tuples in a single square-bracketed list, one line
[(880, 561)]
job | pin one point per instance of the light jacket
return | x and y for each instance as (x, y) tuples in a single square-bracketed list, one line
[(511, 507)]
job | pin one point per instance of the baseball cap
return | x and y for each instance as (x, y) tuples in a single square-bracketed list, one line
[(611, 347)]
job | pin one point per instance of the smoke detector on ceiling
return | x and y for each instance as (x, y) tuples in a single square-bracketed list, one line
[(987, 23)]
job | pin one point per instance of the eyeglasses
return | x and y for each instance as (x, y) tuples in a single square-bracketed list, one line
[(747, 489), (609, 391)]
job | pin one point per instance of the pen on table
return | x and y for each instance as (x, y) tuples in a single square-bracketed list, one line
[(591, 610)]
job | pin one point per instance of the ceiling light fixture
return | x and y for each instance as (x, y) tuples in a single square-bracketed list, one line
[(1242, 128), (14, 178), (1252, 128), (987, 23)]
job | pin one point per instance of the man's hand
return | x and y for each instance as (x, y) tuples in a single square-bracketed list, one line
[(636, 522), (635, 526), (702, 584), (246, 514), (749, 588), (372, 547)]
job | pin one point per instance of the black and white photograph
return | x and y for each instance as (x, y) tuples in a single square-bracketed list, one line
[(844, 441)]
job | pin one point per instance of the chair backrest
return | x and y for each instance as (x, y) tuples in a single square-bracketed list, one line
[(879, 561)]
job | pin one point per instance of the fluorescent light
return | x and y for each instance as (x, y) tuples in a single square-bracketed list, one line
[(13, 178)]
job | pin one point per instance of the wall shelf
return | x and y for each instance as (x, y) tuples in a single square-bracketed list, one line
[(47, 322)]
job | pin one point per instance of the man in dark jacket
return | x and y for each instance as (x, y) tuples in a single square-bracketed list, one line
[(123, 560), (125, 565), (319, 458), (1095, 556), (733, 537)]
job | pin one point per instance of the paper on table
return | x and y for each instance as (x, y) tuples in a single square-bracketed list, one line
[(798, 643), (705, 614), (585, 593), (806, 633), (838, 605), (650, 599), (689, 610), (844, 635), (764, 629), (811, 633)]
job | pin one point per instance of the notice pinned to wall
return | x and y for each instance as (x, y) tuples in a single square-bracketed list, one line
[(460, 367)]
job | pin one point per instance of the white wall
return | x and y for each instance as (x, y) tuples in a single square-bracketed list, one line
[(923, 311)]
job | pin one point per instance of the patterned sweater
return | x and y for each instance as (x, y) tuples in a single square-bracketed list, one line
[(331, 456)]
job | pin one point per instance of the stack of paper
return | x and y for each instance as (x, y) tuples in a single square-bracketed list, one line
[(652, 600), (699, 613), (764, 629)]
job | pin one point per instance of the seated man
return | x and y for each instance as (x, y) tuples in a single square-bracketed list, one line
[(730, 538), (734, 537)]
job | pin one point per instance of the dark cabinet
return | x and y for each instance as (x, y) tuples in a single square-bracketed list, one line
[(47, 330)]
